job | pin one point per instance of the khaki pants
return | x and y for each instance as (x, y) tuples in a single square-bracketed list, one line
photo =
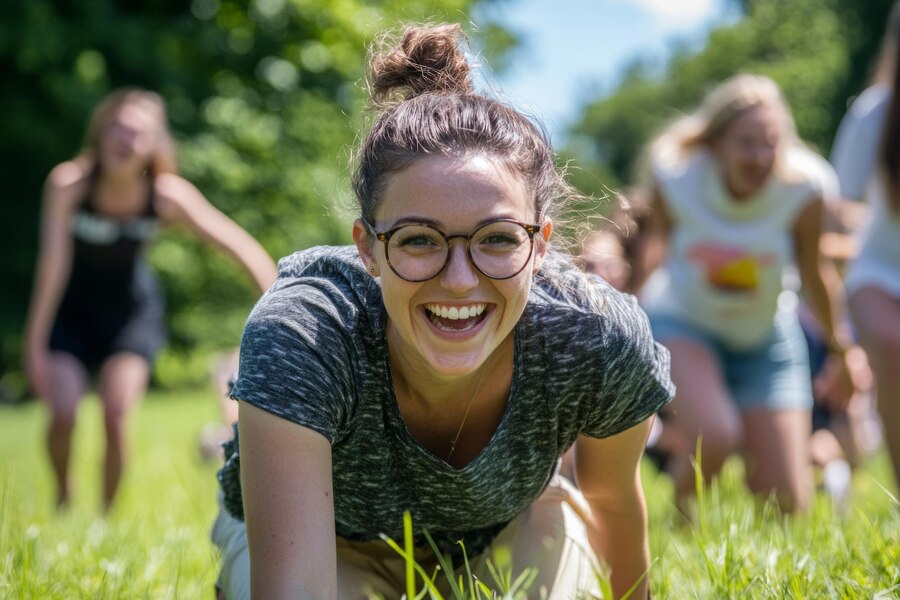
[(550, 536)]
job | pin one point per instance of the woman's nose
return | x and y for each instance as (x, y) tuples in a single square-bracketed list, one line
[(460, 274)]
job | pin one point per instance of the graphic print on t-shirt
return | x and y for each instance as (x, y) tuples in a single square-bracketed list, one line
[(730, 268)]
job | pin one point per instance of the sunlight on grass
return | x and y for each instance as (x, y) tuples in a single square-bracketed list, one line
[(155, 543)]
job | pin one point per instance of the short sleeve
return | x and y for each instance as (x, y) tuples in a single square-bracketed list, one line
[(669, 169), (855, 151), (825, 180), (297, 359), (636, 379)]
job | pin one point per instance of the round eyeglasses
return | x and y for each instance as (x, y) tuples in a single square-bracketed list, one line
[(499, 249)]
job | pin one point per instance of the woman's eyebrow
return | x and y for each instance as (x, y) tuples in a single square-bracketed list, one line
[(415, 220), (437, 224)]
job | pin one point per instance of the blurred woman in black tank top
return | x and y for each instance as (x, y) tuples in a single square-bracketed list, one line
[(97, 308), (113, 302)]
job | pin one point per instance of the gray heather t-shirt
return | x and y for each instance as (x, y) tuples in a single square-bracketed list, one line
[(314, 352)]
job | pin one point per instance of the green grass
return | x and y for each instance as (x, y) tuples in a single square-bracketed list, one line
[(155, 544)]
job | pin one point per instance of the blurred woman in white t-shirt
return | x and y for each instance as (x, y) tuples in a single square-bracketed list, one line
[(738, 207)]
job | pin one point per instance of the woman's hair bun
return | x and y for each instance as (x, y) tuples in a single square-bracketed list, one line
[(427, 58)]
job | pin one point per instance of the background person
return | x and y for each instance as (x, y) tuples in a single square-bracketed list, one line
[(96, 306), (213, 435), (866, 155), (603, 254), (442, 366), (610, 253), (842, 435), (738, 201)]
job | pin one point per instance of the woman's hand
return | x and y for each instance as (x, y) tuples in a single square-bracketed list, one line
[(843, 374), (833, 386)]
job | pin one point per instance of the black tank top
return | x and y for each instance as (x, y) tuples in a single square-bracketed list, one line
[(108, 253)]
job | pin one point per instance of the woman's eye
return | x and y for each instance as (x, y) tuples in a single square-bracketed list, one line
[(416, 241), (498, 241), (499, 238)]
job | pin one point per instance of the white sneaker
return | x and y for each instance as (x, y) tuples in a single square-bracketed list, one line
[(837, 477)]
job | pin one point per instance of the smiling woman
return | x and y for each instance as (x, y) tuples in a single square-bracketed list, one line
[(97, 308), (441, 367), (461, 194)]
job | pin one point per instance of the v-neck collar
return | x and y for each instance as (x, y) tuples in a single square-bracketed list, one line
[(396, 418)]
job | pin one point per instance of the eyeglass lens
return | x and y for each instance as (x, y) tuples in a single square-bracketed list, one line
[(499, 249)]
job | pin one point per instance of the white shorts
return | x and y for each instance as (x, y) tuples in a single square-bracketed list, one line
[(549, 536)]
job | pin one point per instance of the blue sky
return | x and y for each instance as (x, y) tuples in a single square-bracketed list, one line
[(576, 49)]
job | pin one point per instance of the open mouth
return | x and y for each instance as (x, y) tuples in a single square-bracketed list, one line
[(757, 174), (456, 319)]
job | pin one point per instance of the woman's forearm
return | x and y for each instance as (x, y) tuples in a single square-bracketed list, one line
[(618, 536), (257, 262), (54, 264), (824, 298)]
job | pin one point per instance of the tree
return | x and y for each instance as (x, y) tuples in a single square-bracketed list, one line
[(263, 97), (818, 51)]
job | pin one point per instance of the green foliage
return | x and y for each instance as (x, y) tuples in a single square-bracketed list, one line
[(818, 51), (155, 543), (265, 102)]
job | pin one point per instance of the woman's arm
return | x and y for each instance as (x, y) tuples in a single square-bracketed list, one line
[(653, 245), (288, 507), (62, 192), (178, 201), (854, 153), (822, 290), (608, 472)]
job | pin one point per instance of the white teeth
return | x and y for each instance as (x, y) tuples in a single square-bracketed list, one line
[(454, 313)]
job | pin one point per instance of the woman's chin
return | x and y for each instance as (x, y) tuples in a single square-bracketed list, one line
[(456, 365)]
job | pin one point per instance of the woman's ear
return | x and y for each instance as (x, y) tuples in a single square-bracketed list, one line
[(542, 244), (362, 238)]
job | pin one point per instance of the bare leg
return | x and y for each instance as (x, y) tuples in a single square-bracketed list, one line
[(226, 370), (877, 318), (213, 435), (860, 435), (825, 447), (123, 382), (702, 407), (67, 385), (776, 444), (853, 427)]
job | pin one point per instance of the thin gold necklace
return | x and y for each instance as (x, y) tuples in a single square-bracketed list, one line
[(466, 415)]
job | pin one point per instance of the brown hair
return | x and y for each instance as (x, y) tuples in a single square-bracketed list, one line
[(889, 73), (163, 160), (422, 86)]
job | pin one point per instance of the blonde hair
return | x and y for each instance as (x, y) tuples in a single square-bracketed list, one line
[(163, 160), (719, 109)]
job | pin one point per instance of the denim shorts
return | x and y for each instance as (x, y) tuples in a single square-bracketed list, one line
[(774, 375)]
